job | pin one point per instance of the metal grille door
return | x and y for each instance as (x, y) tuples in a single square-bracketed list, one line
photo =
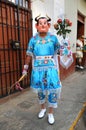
[(15, 32)]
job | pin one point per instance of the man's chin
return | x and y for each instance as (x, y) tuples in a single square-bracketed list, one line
[(42, 32)]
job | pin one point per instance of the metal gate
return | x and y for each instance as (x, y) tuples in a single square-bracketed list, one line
[(15, 32)]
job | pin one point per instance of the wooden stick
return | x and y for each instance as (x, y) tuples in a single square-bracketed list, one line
[(22, 77)]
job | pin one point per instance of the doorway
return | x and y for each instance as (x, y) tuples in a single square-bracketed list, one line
[(80, 32)]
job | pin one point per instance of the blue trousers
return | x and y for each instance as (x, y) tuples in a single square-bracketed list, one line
[(51, 97)]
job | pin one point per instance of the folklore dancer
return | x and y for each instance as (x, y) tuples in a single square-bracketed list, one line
[(45, 79)]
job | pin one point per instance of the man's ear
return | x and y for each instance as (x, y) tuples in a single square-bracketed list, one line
[(49, 25), (36, 25)]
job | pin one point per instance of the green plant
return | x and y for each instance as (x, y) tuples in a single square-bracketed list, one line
[(62, 27)]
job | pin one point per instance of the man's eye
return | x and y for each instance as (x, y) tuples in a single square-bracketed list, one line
[(40, 23), (45, 22)]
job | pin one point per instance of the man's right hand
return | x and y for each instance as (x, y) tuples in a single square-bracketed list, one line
[(24, 72)]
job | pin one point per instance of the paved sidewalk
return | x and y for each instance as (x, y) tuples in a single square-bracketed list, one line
[(20, 112)]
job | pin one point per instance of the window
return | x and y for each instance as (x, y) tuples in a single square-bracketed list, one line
[(26, 4), (14, 1), (17, 2), (22, 3)]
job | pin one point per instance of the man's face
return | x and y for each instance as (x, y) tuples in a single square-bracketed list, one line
[(42, 26)]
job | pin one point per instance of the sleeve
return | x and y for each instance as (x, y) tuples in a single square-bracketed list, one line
[(30, 47), (56, 45)]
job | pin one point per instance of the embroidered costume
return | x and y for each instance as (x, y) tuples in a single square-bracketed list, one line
[(43, 47), (45, 74)]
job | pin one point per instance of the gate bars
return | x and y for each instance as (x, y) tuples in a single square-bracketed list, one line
[(15, 29)]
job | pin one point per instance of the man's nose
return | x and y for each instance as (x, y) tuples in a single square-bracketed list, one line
[(42, 24)]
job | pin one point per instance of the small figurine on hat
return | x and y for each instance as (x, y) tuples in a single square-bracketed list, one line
[(45, 80)]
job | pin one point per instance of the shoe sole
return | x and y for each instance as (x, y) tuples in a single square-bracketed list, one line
[(42, 116), (51, 123)]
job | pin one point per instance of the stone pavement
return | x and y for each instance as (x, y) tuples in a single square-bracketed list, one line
[(19, 112)]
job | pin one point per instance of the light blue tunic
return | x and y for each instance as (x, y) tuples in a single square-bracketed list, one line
[(45, 74)]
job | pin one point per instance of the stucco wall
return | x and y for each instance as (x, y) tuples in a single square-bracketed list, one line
[(81, 6), (52, 8), (71, 9), (42, 7), (71, 13)]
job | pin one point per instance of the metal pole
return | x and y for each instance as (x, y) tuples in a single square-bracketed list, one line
[(20, 61)]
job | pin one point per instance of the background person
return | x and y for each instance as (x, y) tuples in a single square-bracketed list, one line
[(79, 52)]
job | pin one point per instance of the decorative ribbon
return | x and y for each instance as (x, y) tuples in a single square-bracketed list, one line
[(17, 84)]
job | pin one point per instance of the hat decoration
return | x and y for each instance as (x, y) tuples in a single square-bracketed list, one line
[(40, 16)]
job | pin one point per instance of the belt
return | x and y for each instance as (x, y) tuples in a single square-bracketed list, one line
[(44, 57)]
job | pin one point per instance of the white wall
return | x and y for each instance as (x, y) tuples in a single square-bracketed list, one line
[(58, 11), (82, 9), (71, 9), (42, 7), (53, 8), (81, 6), (71, 13)]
